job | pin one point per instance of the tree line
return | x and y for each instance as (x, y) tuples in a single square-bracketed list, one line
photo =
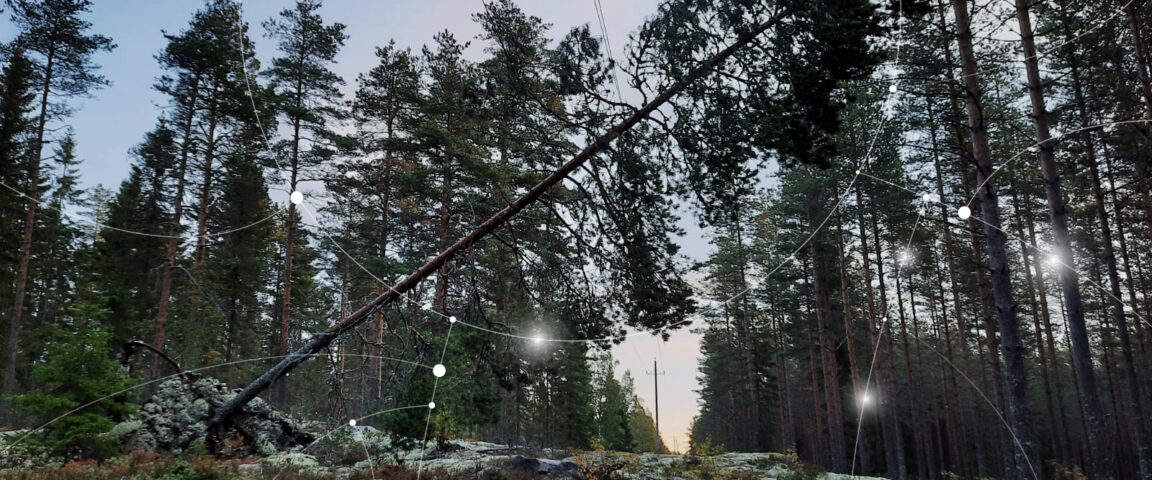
[(961, 290), (191, 255)]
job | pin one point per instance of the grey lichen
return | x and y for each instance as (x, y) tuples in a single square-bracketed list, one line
[(178, 412)]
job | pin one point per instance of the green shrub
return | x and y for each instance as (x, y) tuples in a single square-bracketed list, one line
[(79, 373)]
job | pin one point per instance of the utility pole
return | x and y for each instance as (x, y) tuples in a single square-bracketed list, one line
[(656, 389)]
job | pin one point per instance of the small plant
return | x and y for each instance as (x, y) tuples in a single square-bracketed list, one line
[(79, 372), (1066, 472)]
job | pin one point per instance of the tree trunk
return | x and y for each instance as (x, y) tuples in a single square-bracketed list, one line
[(1015, 374), (1043, 353), (749, 347), (888, 341), (1135, 404), (829, 367), (910, 382), (206, 192), (385, 210), (850, 338), (1146, 90), (173, 245), (876, 337), (961, 330), (33, 194), (1050, 340), (289, 257)]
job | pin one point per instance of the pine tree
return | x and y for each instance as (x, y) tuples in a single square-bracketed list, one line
[(15, 126), (208, 94), (54, 38), (308, 95)]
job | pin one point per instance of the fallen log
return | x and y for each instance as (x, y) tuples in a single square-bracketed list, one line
[(224, 413)]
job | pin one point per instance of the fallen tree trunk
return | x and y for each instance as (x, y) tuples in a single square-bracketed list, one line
[(319, 341)]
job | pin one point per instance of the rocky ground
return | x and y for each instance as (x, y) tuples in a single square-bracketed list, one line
[(482, 460), (266, 443)]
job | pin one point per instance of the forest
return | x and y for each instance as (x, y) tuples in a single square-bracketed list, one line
[(926, 224)]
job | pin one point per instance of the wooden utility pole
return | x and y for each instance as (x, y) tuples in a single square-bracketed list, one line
[(656, 390)]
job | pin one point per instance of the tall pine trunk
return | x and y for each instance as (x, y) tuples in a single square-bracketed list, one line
[(33, 194), (1015, 373), (174, 231), (385, 210), (289, 254)]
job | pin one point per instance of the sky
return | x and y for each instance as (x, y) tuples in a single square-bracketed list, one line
[(113, 120)]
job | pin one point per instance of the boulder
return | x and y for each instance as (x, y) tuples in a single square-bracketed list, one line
[(179, 411), (555, 468)]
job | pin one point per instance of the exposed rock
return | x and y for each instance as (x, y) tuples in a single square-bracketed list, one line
[(557, 468), (248, 469), (359, 431), (179, 411)]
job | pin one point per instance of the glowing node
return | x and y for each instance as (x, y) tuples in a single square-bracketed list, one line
[(1054, 260), (452, 319), (431, 404), (865, 399), (296, 197), (352, 423), (857, 171), (439, 370), (964, 212), (892, 88), (537, 340), (927, 197)]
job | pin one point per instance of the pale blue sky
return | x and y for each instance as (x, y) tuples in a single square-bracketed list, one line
[(115, 118)]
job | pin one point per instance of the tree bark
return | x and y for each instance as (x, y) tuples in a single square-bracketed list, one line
[(829, 367), (1015, 374), (33, 194), (1043, 352), (174, 232)]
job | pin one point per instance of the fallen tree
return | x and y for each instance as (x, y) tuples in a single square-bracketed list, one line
[(787, 101)]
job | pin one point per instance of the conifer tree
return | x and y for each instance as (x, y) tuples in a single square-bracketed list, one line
[(307, 93), (56, 42)]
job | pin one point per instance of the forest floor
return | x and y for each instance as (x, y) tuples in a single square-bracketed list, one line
[(162, 437), (370, 456)]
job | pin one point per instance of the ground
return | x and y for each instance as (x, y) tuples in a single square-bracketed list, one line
[(371, 456)]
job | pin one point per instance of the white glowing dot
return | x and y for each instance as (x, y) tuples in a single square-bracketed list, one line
[(452, 319), (927, 197), (865, 399), (1054, 260), (964, 212), (296, 197), (892, 88), (431, 404), (857, 171), (439, 370), (537, 340), (352, 423)]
